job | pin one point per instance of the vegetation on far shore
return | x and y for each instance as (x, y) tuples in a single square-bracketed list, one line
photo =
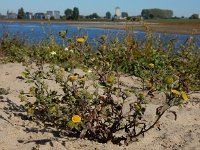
[(91, 105)]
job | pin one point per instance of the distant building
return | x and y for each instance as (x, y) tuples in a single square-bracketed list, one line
[(39, 16), (56, 14), (11, 15), (117, 13), (28, 15), (49, 14)]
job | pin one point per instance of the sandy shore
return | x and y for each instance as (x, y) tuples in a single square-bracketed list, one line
[(17, 133)]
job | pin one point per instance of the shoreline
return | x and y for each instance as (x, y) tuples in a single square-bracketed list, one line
[(171, 28)]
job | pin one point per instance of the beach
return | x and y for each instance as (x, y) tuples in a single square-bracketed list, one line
[(17, 132)]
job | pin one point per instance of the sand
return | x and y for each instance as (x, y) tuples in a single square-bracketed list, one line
[(18, 133)]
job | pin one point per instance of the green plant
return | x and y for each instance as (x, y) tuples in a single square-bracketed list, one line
[(92, 105)]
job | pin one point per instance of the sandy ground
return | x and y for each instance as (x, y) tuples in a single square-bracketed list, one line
[(17, 133)]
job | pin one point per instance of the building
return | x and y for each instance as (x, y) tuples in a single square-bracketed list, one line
[(28, 15), (39, 16), (49, 14), (11, 15), (117, 13), (56, 14)]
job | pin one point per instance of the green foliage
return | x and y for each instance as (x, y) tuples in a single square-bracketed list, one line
[(156, 13), (194, 16), (108, 15), (93, 16), (75, 14), (21, 13), (97, 114), (93, 104), (13, 48), (124, 14), (68, 13)]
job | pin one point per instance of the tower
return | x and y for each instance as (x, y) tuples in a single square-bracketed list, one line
[(118, 12)]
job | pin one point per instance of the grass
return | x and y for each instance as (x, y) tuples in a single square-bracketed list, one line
[(175, 21)]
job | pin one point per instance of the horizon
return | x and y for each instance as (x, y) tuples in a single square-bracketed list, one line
[(87, 7)]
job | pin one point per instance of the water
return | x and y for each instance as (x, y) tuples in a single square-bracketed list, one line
[(36, 32)]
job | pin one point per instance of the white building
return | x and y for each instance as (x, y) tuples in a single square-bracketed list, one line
[(118, 13), (11, 15), (28, 15), (57, 14), (49, 14)]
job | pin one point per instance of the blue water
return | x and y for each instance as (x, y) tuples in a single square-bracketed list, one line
[(36, 32)]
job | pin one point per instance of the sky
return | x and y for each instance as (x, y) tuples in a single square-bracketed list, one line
[(133, 7)]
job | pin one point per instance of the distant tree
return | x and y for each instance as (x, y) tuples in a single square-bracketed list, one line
[(21, 13), (156, 13), (68, 13), (75, 14), (95, 15), (194, 16), (92, 16), (124, 14), (108, 15), (52, 18)]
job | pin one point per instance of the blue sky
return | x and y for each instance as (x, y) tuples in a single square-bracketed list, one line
[(86, 7)]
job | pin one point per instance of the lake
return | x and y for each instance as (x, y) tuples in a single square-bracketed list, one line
[(36, 32)]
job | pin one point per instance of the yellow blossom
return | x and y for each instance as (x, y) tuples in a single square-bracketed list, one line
[(151, 65), (103, 37), (169, 80), (80, 40), (72, 78), (175, 92), (103, 47), (184, 96), (111, 79), (76, 119), (30, 110), (83, 79), (107, 64), (62, 69)]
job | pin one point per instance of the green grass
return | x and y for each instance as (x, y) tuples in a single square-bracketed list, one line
[(177, 21)]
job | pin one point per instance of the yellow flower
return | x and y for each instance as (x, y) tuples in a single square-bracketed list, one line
[(141, 94), (151, 65), (107, 64), (76, 119), (175, 92), (72, 78), (103, 37), (80, 40), (30, 110), (103, 47), (83, 79), (169, 80), (62, 69), (111, 79), (184, 96)]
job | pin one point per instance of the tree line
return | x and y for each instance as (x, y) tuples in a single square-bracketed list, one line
[(156, 13), (73, 14)]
